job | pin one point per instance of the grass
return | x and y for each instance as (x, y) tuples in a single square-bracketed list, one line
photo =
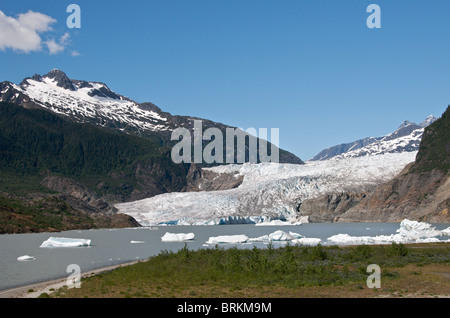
[(290, 271)]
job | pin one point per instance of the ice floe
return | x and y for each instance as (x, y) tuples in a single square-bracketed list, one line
[(408, 232), (177, 237), (277, 236), (26, 258), (65, 242), (241, 238), (307, 241)]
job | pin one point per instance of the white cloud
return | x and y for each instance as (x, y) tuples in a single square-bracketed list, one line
[(53, 47), (22, 33), (57, 47)]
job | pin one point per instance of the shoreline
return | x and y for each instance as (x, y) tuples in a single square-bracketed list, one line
[(53, 285)]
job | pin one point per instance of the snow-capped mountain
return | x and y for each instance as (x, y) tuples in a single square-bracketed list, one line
[(83, 101), (407, 137), (93, 102)]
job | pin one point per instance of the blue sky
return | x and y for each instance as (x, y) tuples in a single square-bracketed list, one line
[(313, 69)]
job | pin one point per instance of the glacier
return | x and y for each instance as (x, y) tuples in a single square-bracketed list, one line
[(269, 191)]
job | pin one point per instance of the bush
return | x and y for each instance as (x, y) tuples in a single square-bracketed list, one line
[(398, 249)]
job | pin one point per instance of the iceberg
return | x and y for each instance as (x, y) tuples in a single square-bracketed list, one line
[(408, 232), (446, 232), (65, 242), (228, 239), (307, 241), (177, 237), (137, 242), (277, 236), (26, 258), (414, 230)]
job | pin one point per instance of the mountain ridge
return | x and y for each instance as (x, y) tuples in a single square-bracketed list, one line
[(407, 137), (94, 102)]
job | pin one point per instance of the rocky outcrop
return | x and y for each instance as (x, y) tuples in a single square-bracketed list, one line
[(83, 200), (199, 179), (78, 196), (328, 208), (420, 192), (415, 196)]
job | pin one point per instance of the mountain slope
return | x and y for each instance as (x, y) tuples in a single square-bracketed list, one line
[(39, 143), (94, 102), (421, 192)]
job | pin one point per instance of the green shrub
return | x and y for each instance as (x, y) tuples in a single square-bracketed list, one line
[(398, 249)]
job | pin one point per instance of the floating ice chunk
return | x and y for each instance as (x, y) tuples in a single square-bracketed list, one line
[(428, 240), (446, 232), (227, 239), (259, 238), (177, 237), (26, 258), (65, 242), (275, 223), (413, 230), (348, 239), (307, 241), (277, 236), (409, 232), (137, 242), (283, 236)]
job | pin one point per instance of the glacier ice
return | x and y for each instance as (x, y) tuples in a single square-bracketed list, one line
[(65, 242), (277, 223), (269, 191), (177, 237)]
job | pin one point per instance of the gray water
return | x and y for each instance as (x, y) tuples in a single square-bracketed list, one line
[(112, 247)]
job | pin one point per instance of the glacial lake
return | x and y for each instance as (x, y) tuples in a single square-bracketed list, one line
[(117, 246)]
